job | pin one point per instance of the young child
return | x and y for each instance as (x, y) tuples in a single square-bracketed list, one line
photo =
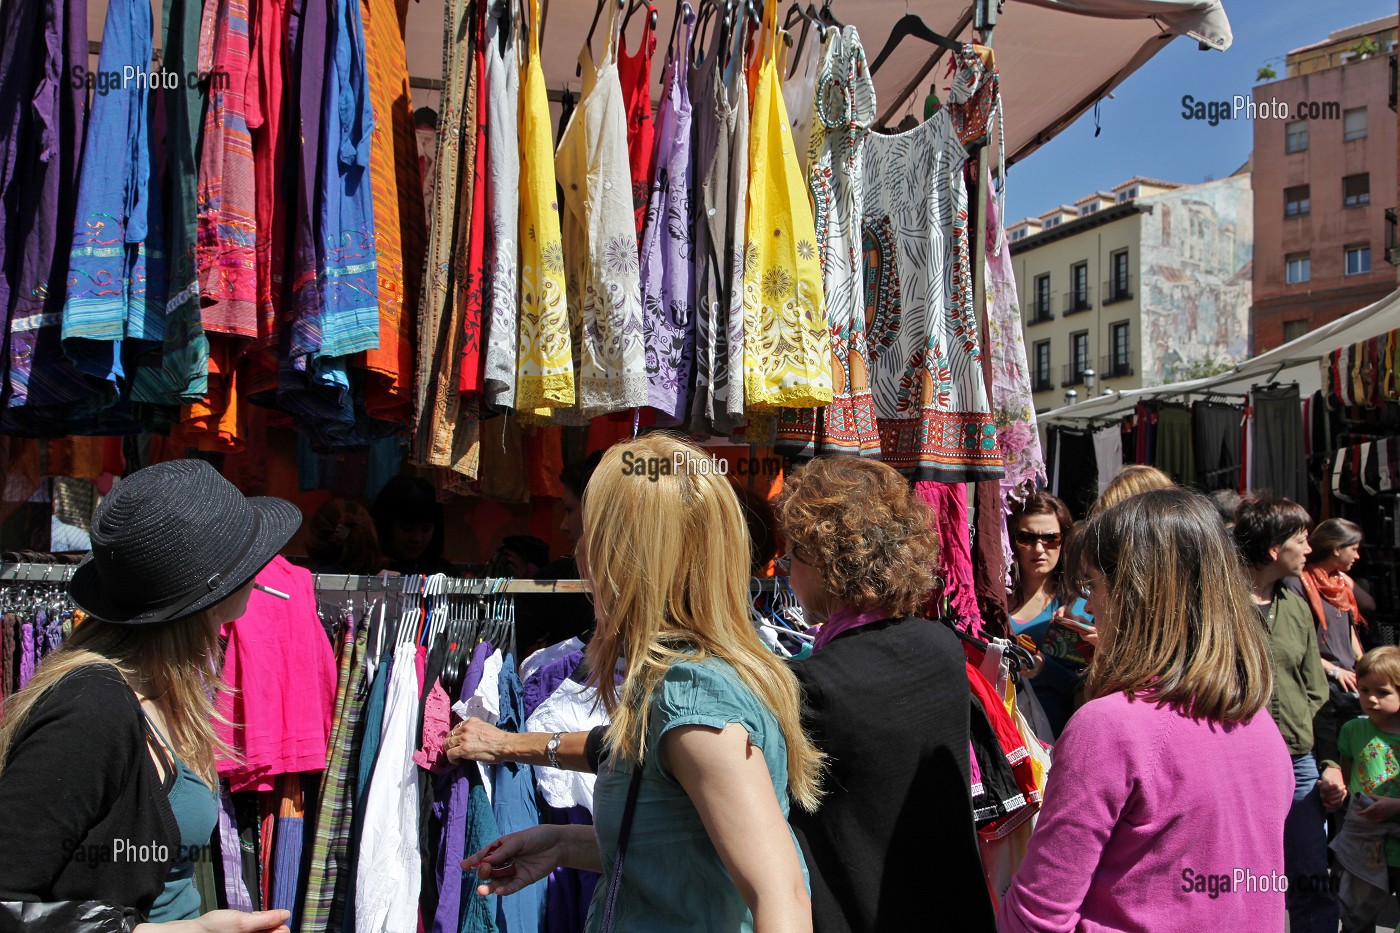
[(1368, 846)]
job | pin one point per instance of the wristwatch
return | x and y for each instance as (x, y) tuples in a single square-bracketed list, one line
[(552, 750)]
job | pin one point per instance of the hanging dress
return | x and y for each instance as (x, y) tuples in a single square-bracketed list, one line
[(634, 74), (399, 224), (503, 205), (925, 360), (600, 244), (787, 347), (801, 66), (843, 111), (545, 374), (667, 251)]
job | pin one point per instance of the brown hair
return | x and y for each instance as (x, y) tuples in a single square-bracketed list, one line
[(342, 534), (1331, 536), (1263, 523), (1384, 660), (668, 559), (1184, 629), (1132, 480), (1041, 503), (857, 523)]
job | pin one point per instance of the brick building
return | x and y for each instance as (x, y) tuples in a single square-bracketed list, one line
[(1325, 182)]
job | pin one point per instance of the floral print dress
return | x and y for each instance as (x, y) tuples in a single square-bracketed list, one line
[(787, 348), (600, 245)]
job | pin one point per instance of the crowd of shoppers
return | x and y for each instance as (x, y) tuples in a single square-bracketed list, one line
[(830, 792)]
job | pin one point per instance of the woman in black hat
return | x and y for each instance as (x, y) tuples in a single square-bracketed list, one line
[(107, 775)]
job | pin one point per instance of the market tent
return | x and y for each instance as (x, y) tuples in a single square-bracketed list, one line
[(1056, 57), (1295, 361)]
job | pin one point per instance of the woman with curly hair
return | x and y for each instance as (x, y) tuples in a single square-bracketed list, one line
[(706, 746), (887, 700)]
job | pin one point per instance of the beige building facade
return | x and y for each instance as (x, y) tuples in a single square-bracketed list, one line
[(1134, 286)]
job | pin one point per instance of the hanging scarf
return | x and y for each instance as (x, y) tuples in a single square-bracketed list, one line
[(843, 620), (1333, 586)]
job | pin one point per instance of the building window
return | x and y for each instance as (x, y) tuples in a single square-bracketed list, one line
[(1088, 209), (1358, 260), (1079, 287), (1079, 354), (1354, 124), (1292, 330), (1127, 194), (1297, 201), (1297, 268), (1356, 190), (1121, 362), (1018, 234), (1052, 221), (1119, 287), (1043, 382), (1042, 298), (1297, 136)]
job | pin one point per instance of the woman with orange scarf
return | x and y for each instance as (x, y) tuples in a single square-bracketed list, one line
[(1338, 607)]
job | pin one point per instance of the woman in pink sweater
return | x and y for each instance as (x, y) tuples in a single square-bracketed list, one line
[(1169, 789)]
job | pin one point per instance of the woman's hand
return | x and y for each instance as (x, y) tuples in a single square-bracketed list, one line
[(532, 854), (1332, 788), (1345, 679), (477, 740), (225, 921)]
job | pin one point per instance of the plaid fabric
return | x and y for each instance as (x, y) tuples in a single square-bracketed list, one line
[(322, 906)]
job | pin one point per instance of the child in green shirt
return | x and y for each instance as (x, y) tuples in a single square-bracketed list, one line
[(1368, 847)]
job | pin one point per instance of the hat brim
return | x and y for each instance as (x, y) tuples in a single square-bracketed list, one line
[(277, 521)]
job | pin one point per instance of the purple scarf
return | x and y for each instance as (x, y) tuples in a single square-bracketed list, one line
[(843, 620)]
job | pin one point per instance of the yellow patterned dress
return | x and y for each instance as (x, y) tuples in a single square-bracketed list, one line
[(787, 346), (545, 378)]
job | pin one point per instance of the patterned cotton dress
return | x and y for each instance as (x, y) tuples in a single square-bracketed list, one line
[(921, 324)]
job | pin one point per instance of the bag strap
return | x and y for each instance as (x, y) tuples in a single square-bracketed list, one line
[(615, 876)]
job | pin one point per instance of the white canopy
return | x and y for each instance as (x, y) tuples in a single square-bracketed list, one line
[(1056, 57), (1296, 361)]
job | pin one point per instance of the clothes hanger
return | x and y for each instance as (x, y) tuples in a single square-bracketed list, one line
[(827, 16), (910, 25), (636, 5), (593, 27), (683, 9)]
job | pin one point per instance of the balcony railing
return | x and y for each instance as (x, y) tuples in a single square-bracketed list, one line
[(1072, 375), (1118, 288), (1078, 300), (1040, 310), (1043, 383), (1109, 368)]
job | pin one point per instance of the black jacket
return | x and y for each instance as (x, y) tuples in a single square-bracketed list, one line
[(893, 846), (81, 798)]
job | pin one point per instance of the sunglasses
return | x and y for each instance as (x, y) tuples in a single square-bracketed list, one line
[(1051, 539)]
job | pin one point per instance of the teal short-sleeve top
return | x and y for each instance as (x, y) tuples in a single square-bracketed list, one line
[(673, 879)]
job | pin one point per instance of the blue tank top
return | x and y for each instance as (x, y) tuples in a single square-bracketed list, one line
[(196, 810)]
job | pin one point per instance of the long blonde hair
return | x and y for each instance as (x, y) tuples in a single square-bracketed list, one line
[(1183, 626), (180, 660), (666, 550)]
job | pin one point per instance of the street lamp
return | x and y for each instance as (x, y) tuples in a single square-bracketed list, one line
[(1071, 396), (1090, 377)]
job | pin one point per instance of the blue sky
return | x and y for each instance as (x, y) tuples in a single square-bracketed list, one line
[(1143, 132)]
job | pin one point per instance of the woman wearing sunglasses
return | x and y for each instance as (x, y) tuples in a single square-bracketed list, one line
[(1038, 529)]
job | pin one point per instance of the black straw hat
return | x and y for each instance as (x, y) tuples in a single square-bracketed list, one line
[(174, 539)]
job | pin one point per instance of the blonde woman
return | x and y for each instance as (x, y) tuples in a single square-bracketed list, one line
[(1133, 479), (1147, 824), (705, 747), (108, 752)]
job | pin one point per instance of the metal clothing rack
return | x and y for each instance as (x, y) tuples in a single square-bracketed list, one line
[(381, 583)]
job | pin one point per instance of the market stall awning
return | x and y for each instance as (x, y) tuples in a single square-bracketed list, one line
[(1296, 361), (1056, 57)]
